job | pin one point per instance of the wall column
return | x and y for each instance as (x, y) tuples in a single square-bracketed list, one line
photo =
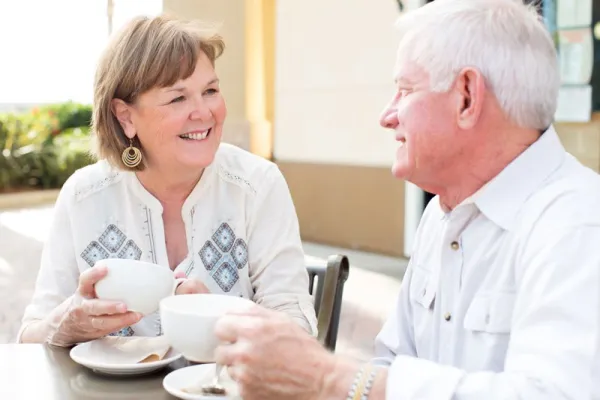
[(260, 74)]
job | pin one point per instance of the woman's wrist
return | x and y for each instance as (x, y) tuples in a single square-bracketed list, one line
[(47, 330)]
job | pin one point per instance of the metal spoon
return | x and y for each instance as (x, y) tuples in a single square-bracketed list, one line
[(215, 388)]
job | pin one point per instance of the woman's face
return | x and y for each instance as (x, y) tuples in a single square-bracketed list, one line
[(179, 127)]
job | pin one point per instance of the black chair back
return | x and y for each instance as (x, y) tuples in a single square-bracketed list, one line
[(328, 291)]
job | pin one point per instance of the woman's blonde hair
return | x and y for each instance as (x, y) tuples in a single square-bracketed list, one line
[(147, 53)]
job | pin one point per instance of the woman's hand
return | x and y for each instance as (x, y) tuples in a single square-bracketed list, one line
[(189, 285), (83, 317)]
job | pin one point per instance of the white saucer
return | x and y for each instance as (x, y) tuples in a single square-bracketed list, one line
[(182, 378), (82, 355)]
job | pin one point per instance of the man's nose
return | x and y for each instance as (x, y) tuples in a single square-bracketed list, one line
[(389, 118)]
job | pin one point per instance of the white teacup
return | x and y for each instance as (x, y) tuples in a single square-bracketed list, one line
[(188, 322), (138, 284)]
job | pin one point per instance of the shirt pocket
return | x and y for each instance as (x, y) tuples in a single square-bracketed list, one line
[(487, 324), (491, 313), (422, 302), (422, 288)]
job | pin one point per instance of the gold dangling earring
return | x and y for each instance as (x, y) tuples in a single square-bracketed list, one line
[(132, 156)]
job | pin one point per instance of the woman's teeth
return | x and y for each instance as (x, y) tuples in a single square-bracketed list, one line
[(195, 136)]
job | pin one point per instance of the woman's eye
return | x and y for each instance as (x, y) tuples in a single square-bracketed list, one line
[(211, 91), (178, 99)]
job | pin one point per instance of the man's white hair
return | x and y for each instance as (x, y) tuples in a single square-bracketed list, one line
[(505, 40)]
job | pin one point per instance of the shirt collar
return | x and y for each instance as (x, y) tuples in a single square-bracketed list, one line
[(501, 198), (153, 203)]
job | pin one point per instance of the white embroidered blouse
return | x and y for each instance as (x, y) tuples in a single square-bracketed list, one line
[(241, 225)]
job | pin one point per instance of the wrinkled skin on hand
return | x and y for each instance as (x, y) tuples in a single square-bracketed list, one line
[(271, 357), (83, 317)]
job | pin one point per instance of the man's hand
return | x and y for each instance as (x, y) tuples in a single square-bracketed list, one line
[(271, 357)]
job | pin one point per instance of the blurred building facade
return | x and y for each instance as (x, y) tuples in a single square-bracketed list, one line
[(305, 82)]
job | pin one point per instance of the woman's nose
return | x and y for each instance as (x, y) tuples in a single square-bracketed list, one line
[(201, 111)]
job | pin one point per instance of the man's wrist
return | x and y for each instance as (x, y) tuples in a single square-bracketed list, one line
[(346, 378), (337, 378)]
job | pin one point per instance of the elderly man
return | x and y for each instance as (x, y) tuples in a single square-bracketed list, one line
[(501, 297)]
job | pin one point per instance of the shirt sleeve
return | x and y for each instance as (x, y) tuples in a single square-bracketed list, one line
[(58, 275), (277, 268), (397, 336), (555, 332)]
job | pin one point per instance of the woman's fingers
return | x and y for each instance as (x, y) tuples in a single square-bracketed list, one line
[(89, 278), (95, 307), (112, 323)]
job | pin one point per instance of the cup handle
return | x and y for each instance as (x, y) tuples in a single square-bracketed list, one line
[(178, 282)]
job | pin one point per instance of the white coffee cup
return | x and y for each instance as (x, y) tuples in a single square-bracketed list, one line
[(188, 322), (140, 285)]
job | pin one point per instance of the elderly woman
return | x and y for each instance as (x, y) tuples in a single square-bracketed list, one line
[(167, 191)]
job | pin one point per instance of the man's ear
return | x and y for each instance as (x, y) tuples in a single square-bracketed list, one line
[(470, 94), (122, 111)]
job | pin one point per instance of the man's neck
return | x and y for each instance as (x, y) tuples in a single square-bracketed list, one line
[(486, 163)]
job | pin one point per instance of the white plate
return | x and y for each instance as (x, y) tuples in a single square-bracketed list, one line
[(83, 355), (176, 381)]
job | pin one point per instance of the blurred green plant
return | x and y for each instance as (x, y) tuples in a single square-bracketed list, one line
[(41, 148)]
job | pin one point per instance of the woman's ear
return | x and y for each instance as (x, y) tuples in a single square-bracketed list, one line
[(122, 111)]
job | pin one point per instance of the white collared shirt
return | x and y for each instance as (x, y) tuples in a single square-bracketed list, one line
[(242, 235), (501, 299)]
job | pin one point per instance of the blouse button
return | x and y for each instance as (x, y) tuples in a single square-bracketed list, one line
[(447, 316), (454, 245)]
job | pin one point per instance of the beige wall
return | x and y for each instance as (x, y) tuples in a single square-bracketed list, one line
[(334, 75), (230, 14), (582, 140)]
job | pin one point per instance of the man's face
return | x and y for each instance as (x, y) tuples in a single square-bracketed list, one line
[(424, 123)]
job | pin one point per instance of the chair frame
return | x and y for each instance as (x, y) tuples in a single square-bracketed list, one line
[(328, 294)]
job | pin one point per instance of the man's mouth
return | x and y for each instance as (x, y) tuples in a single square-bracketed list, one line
[(197, 135)]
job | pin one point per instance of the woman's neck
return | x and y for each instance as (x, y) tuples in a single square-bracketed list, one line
[(169, 188)]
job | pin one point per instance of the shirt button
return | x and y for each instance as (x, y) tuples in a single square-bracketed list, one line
[(454, 245), (447, 316)]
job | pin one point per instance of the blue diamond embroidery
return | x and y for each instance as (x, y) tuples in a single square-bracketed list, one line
[(224, 237), (123, 332), (112, 238), (94, 253), (131, 251), (226, 276), (240, 253), (210, 255)]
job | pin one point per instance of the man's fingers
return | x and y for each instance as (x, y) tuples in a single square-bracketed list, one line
[(254, 310), (89, 278), (225, 354), (230, 327), (95, 307), (112, 323)]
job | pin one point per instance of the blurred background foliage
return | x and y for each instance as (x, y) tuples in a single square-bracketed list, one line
[(42, 147)]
